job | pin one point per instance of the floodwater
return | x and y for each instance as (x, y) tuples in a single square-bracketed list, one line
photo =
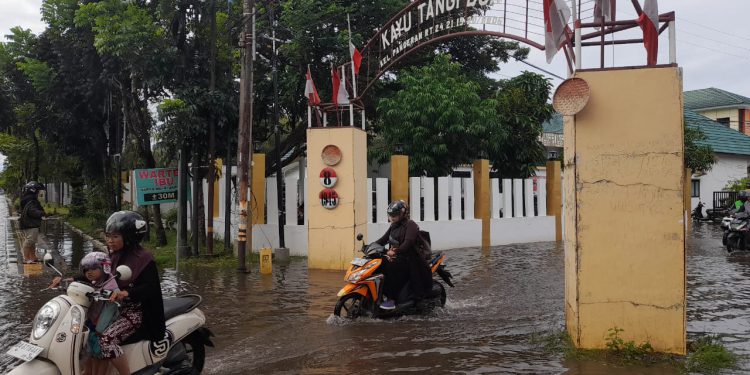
[(505, 300)]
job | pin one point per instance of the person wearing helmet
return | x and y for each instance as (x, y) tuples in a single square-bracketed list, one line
[(31, 214), (405, 264), (142, 307), (743, 211)]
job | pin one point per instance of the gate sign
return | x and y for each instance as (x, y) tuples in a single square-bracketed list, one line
[(156, 186), (328, 177), (329, 198)]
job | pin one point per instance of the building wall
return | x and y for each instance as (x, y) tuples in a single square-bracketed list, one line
[(733, 114), (727, 168)]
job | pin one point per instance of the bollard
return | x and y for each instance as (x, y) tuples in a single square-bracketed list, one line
[(266, 263)]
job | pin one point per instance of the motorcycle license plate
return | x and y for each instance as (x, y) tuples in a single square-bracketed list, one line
[(359, 262), (25, 351)]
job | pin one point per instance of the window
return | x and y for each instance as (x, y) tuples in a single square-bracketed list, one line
[(696, 189), (723, 120)]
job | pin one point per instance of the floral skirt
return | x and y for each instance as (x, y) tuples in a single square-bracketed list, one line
[(131, 318)]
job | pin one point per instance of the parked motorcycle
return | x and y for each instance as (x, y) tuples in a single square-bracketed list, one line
[(363, 295), (737, 236), (58, 335)]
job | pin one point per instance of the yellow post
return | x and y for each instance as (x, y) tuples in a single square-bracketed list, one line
[(266, 260), (624, 211), (332, 231), (217, 188), (258, 201), (687, 198), (554, 196), (400, 177), (482, 198)]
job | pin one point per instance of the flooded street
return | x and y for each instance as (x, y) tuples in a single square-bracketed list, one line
[(505, 300)]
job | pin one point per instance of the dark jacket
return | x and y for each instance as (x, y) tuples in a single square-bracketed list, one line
[(146, 289), (31, 212), (403, 236)]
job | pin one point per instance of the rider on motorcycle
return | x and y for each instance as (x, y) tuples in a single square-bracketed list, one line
[(404, 264), (744, 210)]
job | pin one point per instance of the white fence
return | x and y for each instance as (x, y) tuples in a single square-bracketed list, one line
[(444, 206)]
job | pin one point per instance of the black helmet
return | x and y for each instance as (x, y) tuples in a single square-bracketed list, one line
[(129, 224), (33, 187), (397, 208)]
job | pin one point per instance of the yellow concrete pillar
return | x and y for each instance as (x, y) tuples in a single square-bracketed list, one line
[(331, 232), (257, 201), (624, 210), (400, 177), (217, 189), (687, 199), (554, 196), (482, 198)]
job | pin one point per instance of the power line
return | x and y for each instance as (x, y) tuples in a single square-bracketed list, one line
[(543, 70), (716, 41), (715, 50), (714, 29)]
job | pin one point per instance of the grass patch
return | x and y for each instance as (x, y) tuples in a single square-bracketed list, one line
[(706, 355)]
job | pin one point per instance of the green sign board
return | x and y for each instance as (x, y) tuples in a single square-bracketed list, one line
[(156, 186)]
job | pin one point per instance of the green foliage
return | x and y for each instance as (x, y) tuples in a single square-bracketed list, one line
[(627, 351), (698, 157), (709, 356), (438, 117), (738, 184)]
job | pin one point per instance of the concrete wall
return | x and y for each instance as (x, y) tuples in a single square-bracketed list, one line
[(624, 180)]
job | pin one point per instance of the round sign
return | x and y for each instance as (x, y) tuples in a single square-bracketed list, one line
[(328, 177), (331, 155), (329, 198)]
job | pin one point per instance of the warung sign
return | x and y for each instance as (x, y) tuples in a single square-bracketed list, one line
[(156, 186)]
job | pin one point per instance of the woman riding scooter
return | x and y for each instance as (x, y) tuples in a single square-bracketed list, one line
[(405, 264)]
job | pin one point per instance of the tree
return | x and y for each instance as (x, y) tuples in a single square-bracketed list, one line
[(699, 157), (438, 117)]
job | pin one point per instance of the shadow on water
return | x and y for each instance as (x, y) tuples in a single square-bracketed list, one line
[(504, 299)]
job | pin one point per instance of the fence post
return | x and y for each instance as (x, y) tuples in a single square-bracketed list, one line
[(554, 196), (482, 198), (400, 177)]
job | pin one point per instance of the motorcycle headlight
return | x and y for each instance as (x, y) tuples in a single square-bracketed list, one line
[(354, 277), (76, 317), (45, 318)]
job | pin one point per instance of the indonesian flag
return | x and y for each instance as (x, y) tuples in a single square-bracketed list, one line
[(649, 22), (356, 57), (310, 91), (556, 16), (340, 95), (604, 10)]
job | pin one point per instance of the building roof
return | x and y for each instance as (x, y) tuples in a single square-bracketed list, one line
[(713, 98), (721, 138), (554, 124)]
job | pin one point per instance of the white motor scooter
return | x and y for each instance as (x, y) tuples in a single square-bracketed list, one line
[(58, 335)]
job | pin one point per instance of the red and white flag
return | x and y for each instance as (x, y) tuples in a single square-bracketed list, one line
[(340, 95), (649, 22), (310, 91), (605, 10), (356, 57), (556, 16)]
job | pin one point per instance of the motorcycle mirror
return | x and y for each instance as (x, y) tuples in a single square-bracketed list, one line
[(360, 237), (48, 259), (124, 273)]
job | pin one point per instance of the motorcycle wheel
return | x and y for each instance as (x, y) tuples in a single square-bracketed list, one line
[(350, 306), (196, 351)]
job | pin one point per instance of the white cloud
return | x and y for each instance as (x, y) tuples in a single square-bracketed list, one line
[(24, 13)]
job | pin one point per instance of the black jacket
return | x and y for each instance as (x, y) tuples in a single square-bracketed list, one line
[(31, 212), (146, 289)]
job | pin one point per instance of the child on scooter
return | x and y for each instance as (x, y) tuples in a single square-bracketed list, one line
[(96, 270)]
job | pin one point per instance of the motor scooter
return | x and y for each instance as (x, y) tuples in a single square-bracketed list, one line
[(737, 236), (58, 334), (363, 295)]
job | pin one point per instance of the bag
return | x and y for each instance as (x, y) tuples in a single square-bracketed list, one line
[(424, 247)]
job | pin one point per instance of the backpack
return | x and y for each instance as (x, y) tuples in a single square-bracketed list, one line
[(424, 245)]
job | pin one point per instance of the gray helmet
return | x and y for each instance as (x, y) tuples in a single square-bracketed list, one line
[(129, 224), (33, 187), (96, 259), (397, 208)]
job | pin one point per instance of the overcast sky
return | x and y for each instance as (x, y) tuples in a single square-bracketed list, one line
[(713, 44)]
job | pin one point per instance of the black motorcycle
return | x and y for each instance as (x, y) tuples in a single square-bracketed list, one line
[(737, 236)]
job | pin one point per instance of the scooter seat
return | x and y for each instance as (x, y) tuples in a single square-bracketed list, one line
[(179, 305)]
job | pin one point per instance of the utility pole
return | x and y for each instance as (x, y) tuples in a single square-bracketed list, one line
[(182, 184), (211, 134), (276, 130), (245, 137), (228, 166)]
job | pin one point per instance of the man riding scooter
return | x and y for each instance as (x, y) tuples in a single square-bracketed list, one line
[(405, 264)]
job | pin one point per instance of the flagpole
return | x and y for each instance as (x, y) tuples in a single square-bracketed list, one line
[(577, 30), (309, 107)]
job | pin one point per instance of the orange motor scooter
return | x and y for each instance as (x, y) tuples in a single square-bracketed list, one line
[(363, 295)]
